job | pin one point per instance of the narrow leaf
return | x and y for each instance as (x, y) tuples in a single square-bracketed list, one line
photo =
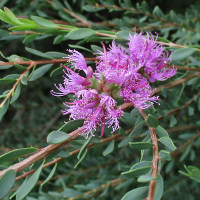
[(137, 129), (109, 149), (136, 194), (84, 146), (180, 54), (152, 121), (145, 178), (165, 155), (80, 33), (50, 175), (159, 188), (16, 94), (81, 159), (16, 153), (137, 172), (141, 145), (38, 53), (72, 125), (28, 184), (168, 143), (44, 22), (40, 72), (6, 182), (161, 132), (57, 137)]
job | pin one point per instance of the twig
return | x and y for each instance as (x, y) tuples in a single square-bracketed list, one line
[(71, 153), (155, 160), (113, 183), (41, 154), (16, 84), (40, 62), (85, 22), (176, 82), (188, 103), (178, 151)]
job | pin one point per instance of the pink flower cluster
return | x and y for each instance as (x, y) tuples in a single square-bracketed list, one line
[(120, 73)]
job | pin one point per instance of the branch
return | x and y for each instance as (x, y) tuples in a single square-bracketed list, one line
[(85, 22), (176, 82), (155, 160), (41, 154), (16, 84), (56, 160), (188, 103), (113, 183), (40, 62), (178, 151)]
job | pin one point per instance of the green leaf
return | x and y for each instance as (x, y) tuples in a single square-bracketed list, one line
[(7, 80), (55, 54), (4, 109), (168, 143), (5, 18), (198, 104), (16, 94), (49, 176), (145, 178), (72, 125), (57, 137), (23, 27), (81, 159), (40, 72), (84, 146), (136, 194), (159, 188), (173, 121), (56, 72), (6, 182), (125, 142), (137, 172), (125, 35), (12, 17), (180, 54), (80, 33), (91, 8), (152, 121), (44, 22), (16, 153), (137, 129), (185, 153), (165, 155), (79, 47), (38, 53), (161, 132), (28, 184), (140, 145), (109, 149), (30, 38)]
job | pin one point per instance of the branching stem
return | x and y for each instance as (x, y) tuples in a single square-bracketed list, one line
[(155, 160)]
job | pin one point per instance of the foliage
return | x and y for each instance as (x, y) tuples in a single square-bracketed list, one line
[(40, 144)]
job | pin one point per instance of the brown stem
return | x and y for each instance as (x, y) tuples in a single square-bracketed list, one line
[(178, 151), (176, 82), (113, 183), (16, 84), (41, 154), (188, 103), (86, 23), (155, 160), (39, 62), (71, 153)]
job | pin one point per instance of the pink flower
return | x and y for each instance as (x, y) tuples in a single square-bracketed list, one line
[(120, 73)]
